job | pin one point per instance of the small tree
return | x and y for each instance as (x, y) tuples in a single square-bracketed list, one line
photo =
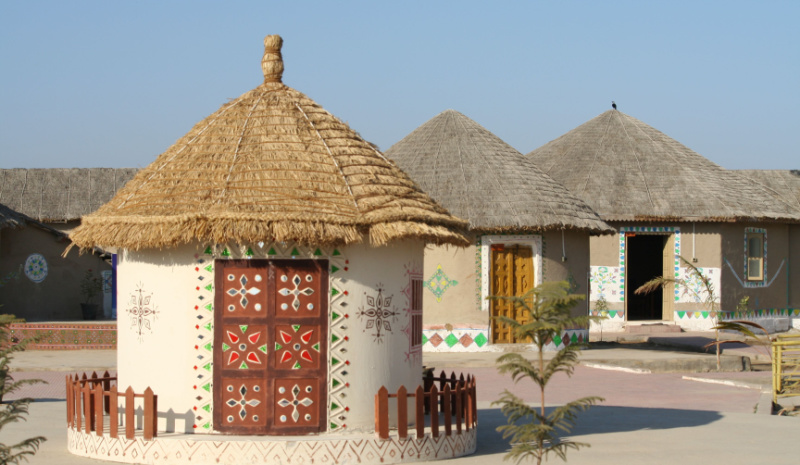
[(15, 410), (710, 297), (534, 433)]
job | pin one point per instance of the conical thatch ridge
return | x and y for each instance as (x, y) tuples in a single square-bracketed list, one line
[(477, 176), (628, 171), (269, 165)]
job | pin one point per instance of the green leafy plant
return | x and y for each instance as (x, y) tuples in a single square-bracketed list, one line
[(15, 410), (709, 301), (534, 433), (91, 285)]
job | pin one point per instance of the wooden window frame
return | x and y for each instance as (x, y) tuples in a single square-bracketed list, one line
[(758, 259)]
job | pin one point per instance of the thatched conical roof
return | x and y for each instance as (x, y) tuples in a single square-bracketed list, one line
[(626, 170), (784, 185), (269, 165), (477, 176)]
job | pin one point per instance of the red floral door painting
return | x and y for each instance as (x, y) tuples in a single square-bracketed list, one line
[(270, 356)]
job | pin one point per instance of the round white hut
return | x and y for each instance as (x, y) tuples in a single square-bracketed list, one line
[(264, 286)]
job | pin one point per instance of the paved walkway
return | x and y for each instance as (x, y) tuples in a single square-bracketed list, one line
[(685, 417)]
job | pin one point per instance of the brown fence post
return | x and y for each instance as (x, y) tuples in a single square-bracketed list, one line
[(419, 414), (106, 388), (402, 413), (427, 383), (447, 414), (69, 400), (76, 397), (467, 405), (474, 395), (113, 412), (98, 408), (453, 381), (88, 409), (459, 404), (150, 416), (382, 413), (434, 400), (129, 408)]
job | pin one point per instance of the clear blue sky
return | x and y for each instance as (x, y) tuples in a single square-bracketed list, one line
[(114, 84)]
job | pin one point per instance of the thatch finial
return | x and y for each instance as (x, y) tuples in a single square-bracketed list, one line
[(272, 63)]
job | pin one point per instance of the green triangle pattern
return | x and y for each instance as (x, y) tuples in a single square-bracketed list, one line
[(334, 292), (272, 251), (612, 313), (243, 328), (574, 338), (225, 253), (207, 426), (317, 252), (207, 387), (263, 348), (296, 328), (335, 361), (225, 347), (705, 314), (209, 268), (210, 307), (424, 339), (334, 269), (335, 252), (207, 326), (243, 366), (681, 314), (336, 382), (451, 340), (316, 347), (249, 252), (480, 339), (334, 426), (209, 251), (334, 406), (334, 316), (334, 338), (296, 366), (278, 346), (207, 366), (210, 287), (294, 251), (557, 340), (208, 347), (207, 408)]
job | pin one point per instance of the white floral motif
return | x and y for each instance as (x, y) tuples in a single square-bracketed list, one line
[(243, 291), (296, 291), (295, 402), (243, 402)]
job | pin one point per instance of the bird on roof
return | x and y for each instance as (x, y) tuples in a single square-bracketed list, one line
[(613, 104)]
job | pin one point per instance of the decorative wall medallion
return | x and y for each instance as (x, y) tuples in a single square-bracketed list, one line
[(296, 292), (378, 313), (296, 346), (439, 282), (36, 267), (141, 311), (296, 402), (243, 402)]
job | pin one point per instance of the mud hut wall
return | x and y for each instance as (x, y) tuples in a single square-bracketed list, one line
[(370, 320), (566, 258), (47, 290), (773, 293)]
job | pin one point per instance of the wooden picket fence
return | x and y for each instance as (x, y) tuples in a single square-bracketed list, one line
[(94, 400), (452, 403)]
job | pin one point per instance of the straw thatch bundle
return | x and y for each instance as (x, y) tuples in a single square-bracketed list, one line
[(60, 194), (477, 176), (628, 171), (269, 165), (784, 185)]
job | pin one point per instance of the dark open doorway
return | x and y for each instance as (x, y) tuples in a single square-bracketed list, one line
[(645, 261)]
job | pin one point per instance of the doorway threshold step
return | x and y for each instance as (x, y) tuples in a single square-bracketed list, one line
[(652, 328)]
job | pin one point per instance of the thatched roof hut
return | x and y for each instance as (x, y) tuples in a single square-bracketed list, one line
[(480, 178), (58, 195), (782, 184), (271, 164), (628, 171)]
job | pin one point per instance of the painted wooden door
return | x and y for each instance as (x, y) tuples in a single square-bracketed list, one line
[(270, 354), (668, 265), (512, 275)]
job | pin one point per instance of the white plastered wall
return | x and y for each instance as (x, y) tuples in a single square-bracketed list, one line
[(160, 289)]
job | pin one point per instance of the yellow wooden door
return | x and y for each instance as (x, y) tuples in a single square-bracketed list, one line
[(512, 275)]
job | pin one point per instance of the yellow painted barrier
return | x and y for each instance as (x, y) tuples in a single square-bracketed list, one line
[(785, 366)]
